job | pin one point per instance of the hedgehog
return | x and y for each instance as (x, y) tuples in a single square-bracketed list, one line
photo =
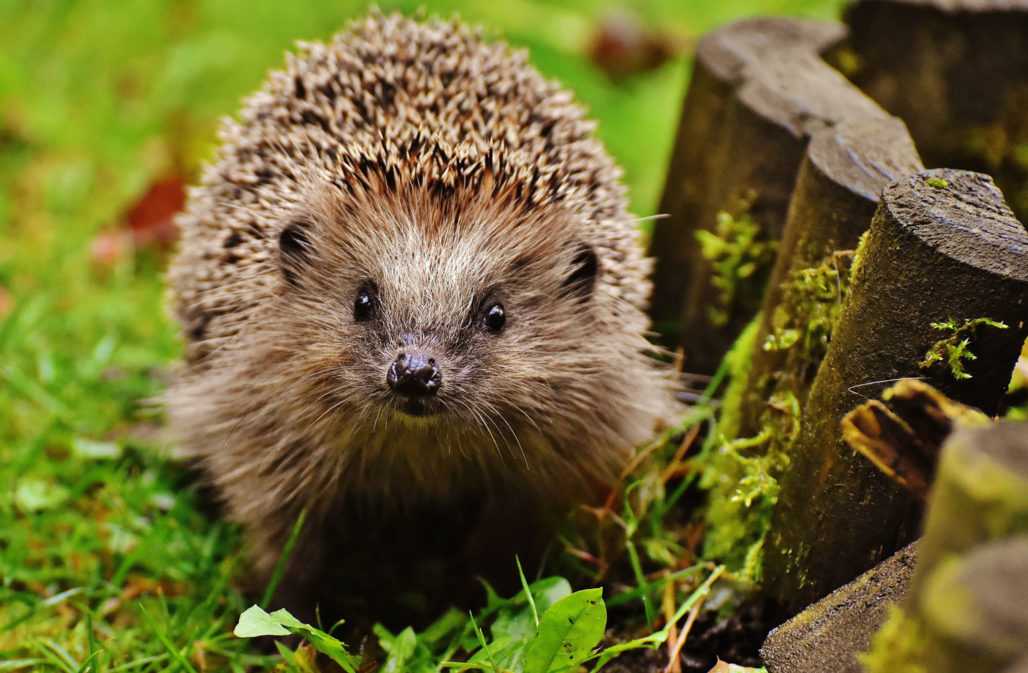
[(409, 275)]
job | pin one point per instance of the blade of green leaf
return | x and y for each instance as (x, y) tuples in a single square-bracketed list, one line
[(400, 648), (527, 590), (658, 638), (283, 559), (168, 645), (256, 622), (568, 632)]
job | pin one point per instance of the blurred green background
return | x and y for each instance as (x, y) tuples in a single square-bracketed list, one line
[(106, 107)]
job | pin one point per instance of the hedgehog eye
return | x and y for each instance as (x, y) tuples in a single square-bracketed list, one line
[(365, 305), (494, 317), (295, 250), (584, 268)]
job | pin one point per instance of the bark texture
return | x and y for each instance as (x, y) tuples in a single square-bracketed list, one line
[(943, 248), (841, 178), (974, 609), (829, 635), (759, 89), (957, 72)]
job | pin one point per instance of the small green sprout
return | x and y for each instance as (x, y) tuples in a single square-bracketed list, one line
[(546, 628), (736, 253), (955, 349)]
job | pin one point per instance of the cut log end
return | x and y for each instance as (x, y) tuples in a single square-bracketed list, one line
[(963, 216)]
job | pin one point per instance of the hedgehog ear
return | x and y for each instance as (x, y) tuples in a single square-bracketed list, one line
[(295, 250), (584, 268)]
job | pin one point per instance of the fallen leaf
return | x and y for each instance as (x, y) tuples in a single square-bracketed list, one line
[(151, 218), (725, 667)]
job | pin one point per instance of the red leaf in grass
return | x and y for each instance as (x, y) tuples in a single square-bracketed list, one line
[(151, 218)]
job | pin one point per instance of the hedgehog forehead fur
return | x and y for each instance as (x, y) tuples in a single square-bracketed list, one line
[(445, 172)]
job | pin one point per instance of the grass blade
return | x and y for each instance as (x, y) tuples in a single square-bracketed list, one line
[(283, 560)]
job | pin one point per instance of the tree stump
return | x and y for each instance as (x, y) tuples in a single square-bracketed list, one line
[(980, 494), (957, 72), (943, 253), (1019, 666), (843, 173), (759, 89), (967, 606), (830, 634), (974, 610)]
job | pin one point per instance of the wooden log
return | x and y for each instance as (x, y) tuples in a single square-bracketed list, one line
[(759, 89), (942, 249), (973, 610), (967, 605), (957, 72), (841, 178), (829, 635), (980, 494), (1019, 666)]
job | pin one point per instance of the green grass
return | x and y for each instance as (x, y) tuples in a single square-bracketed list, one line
[(107, 562)]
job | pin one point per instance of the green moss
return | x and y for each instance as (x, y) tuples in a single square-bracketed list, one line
[(937, 183), (858, 256), (735, 253), (1018, 386), (812, 299), (741, 478), (897, 647), (742, 474), (740, 363), (955, 349)]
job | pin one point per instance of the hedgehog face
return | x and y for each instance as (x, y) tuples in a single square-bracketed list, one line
[(477, 319)]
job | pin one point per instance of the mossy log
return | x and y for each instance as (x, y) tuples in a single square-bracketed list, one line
[(830, 634), (973, 610), (966, 608), (980, 494), (943, 249), (759, 89), (1019, 666), (840, 180), (957, 72)]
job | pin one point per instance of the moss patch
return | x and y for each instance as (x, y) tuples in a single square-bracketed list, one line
[(812, 299), (741, 474), (955, 349), (736, 253)]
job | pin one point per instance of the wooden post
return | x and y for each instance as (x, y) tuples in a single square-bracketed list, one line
[(957, 72), (975, 609), (980, 494), (843, 173), (759, 89), (1019, 666), (942, 253), (830, 634), (966, 609)]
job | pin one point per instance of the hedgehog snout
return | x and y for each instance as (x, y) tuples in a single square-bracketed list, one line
[(414, 374)]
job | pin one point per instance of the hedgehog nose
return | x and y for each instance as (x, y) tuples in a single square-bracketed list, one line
[(414, 375)]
